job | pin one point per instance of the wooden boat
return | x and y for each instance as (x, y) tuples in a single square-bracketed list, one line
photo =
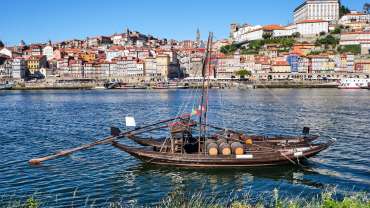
[(251, 159)]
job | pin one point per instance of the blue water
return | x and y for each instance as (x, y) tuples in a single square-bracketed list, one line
[(36, 123)]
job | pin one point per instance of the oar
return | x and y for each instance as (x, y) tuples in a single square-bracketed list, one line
[(116, 135), (37, 161)]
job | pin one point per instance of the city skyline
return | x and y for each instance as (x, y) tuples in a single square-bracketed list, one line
[(43, 20)]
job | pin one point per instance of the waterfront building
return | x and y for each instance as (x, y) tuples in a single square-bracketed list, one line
[(34, 63), (19, 68), (362, 66), (321, 64), (292, 60), (76, 69), (163, 62), (6, 69), (312, 27), (150, 68), (227, 67), (317, 10), (280, 67), (303, 65), (7, 52)]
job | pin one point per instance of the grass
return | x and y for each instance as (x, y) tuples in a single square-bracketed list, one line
[(180, 199)]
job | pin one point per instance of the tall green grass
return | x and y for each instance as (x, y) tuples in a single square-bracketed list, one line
[(180, 199)]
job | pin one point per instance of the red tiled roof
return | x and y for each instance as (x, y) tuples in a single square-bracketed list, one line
[(273, 27)]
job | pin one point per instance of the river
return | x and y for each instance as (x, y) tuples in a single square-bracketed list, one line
[(36, 123)]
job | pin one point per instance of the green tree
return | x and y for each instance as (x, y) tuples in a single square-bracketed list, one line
[(353, 49), (243, 73), (296, 35), (337, 30), (229, 49), (322, 33), (266, 36), (1, 44), (343, 10)]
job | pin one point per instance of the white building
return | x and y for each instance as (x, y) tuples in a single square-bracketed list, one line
[(239, 34), (228, 66), (114, 52), (312, 27), (355, 38), (48, 51), (150, 67), (354, 17), (6, 69), (119, 39), (286, 31), (317, 10), (6, 52), (19, 68)]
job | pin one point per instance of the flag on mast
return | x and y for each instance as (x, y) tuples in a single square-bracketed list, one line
[(130, 121)]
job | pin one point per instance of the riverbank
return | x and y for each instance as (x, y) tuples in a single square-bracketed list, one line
[(84, 85), (198, 200)]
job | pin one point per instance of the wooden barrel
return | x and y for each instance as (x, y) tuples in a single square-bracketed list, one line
[(220, 141), (224, 148), (212, 149), (237, 148)]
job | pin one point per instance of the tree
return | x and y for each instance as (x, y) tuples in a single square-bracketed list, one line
[(337, 30), (327, 41), (296, 35), (228, 49), (266, 36), (322, 33), (343, 10), (1, 44), (242, 73), (353, 49)]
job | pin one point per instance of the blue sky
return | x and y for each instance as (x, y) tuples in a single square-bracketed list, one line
[(41, 20)]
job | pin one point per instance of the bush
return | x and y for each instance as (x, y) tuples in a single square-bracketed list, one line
[(229, 49), (353, 49)]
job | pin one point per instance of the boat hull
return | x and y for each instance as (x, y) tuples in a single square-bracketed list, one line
[(200, 160)]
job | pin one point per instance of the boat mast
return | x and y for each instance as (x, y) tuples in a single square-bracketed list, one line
[(202, 101)]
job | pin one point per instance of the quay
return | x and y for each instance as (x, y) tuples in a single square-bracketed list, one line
[(87, 84)]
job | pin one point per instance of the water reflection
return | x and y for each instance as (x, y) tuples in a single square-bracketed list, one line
[(39, 122)]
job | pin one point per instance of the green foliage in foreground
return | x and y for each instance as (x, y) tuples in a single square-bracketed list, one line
[(180, 199)]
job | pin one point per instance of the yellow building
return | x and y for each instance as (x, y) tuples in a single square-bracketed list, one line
[(35, 63), (88, 57), (281, 67), (163, 62)]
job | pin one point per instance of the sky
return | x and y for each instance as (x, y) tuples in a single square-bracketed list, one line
[(42, 20)]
